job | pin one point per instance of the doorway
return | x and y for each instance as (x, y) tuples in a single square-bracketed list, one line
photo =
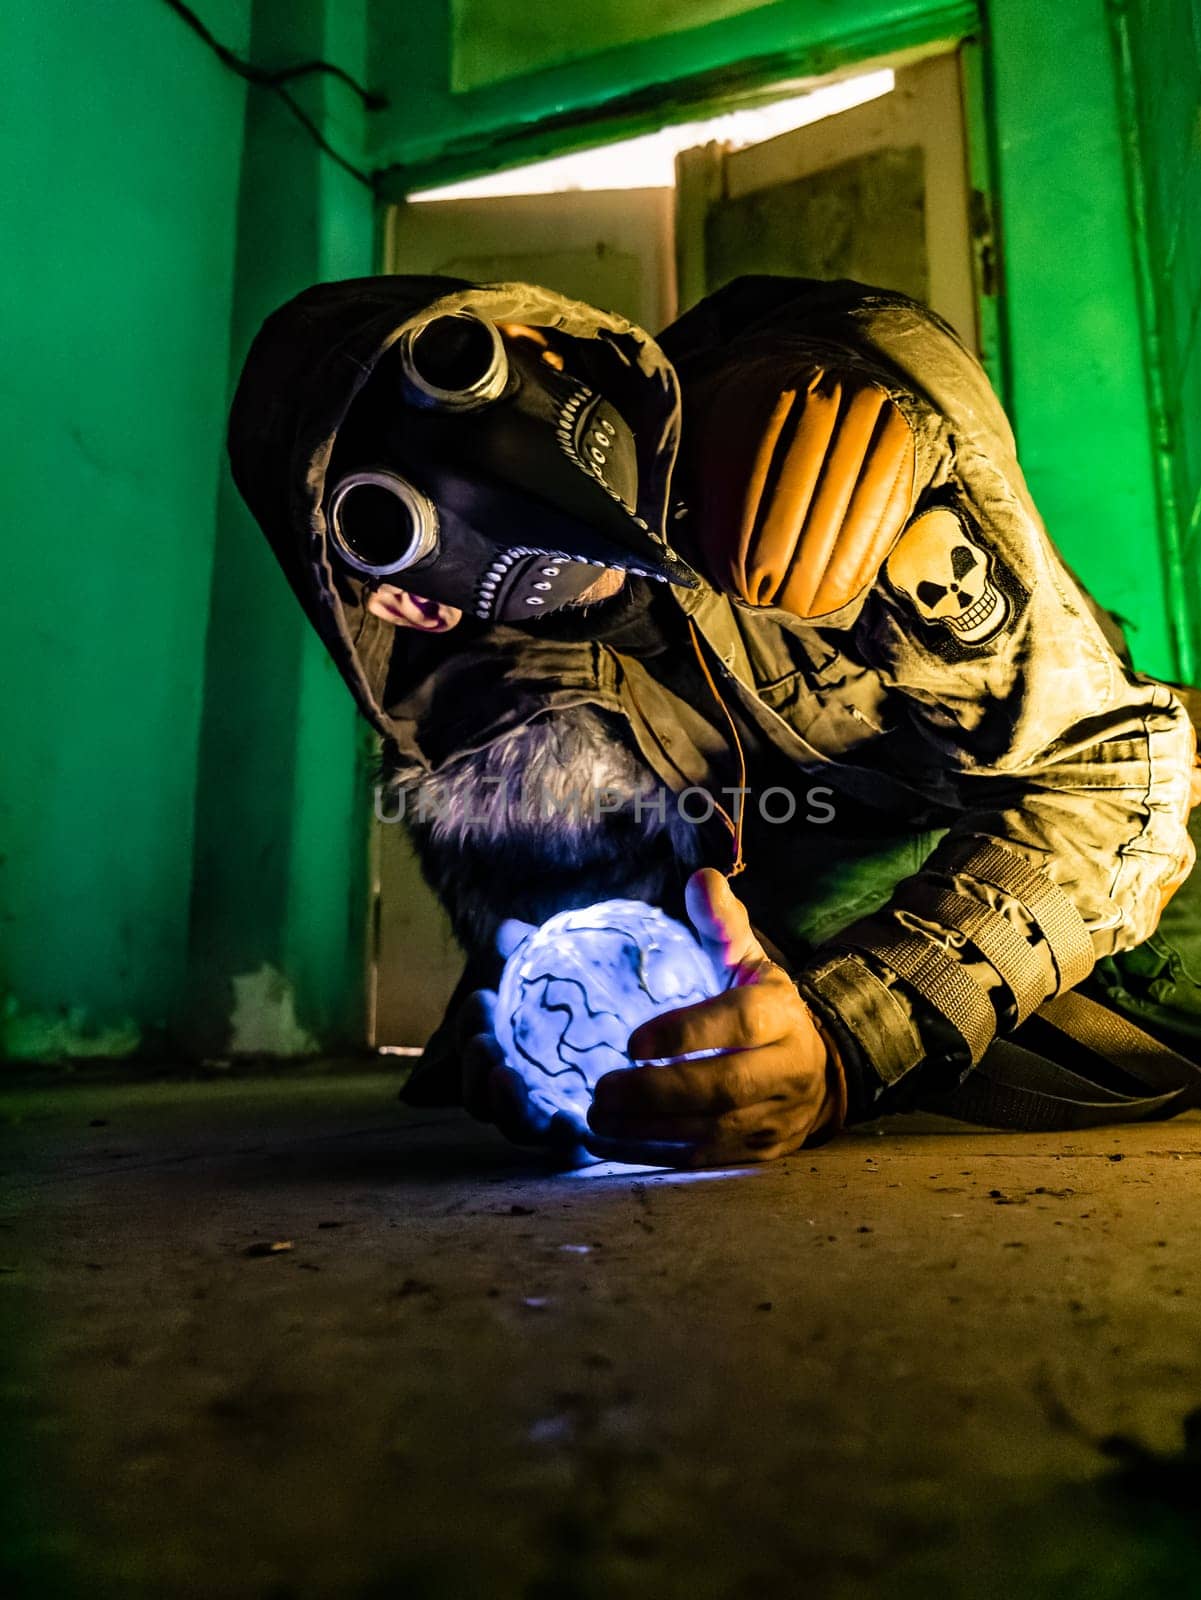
[(870, 183)]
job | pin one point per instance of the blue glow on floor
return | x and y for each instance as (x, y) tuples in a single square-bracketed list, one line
[(622, 1169)]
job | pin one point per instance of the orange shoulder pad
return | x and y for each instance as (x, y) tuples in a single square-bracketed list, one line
[(804, 491)]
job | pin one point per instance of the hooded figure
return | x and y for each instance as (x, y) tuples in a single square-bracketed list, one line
[(324, 404), (787, 551), (409, 428)]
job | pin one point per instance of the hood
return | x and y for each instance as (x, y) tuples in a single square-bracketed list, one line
[(304, 369)]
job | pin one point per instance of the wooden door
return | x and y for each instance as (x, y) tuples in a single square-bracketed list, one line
[(878, 193)]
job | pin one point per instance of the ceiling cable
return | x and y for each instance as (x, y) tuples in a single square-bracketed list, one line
[(274, 81)]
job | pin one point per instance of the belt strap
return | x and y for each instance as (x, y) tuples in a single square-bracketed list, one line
[(1060, 924), (846, 987), (939, 980), (996, 938), (1017, 1088)]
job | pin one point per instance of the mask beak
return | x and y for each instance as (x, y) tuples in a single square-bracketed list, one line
[(548, 465), (577, 479), (633, 548)]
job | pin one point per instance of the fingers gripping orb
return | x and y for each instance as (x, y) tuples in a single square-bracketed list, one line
[(574, 990)]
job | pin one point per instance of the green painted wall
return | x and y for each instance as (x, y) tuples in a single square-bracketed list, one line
[(430, 130), (180, 837), (1158, 45), (1077, 380), (278, 897), (122, 141), (492, 40)]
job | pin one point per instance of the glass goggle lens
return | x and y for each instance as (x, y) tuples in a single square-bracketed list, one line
[(380, 523), (454, 362)]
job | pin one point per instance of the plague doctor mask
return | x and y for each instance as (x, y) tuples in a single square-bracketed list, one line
[(474, 471)]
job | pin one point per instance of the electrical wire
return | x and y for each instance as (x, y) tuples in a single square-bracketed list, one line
[(318, 138), (734, 823), (274, 81), (269, 80)]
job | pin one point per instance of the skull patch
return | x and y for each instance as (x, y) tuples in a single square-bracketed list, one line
[(956, 586)]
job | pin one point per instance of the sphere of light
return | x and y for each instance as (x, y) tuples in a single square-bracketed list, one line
[(574, 990)]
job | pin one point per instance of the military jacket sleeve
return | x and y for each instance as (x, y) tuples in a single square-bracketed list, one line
[(1071, 776), (882, 496)]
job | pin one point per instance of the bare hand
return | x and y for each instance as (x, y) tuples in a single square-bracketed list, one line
[(745, 1076)]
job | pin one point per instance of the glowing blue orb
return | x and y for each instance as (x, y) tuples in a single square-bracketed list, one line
[(575, 989)]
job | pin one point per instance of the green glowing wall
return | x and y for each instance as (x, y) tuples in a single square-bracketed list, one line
[(154, 210), (631, 63), (122, 142), (282, 801), (1077, 377), (1159, 52)]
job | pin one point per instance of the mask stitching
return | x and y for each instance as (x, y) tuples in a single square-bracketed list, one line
[(564, 430), (484, 599)]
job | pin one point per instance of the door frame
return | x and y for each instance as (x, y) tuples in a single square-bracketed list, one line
[(784, 55), (742, 85)]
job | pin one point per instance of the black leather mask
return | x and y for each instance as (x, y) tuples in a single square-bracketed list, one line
[(472, 472)]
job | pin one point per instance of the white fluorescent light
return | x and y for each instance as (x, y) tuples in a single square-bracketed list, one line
[(648, 162)]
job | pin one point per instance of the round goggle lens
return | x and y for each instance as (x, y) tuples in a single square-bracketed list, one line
[(453, 352), (381, 524), (454, 362)]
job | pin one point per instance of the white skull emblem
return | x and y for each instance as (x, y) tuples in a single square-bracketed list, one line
[(948, 577)]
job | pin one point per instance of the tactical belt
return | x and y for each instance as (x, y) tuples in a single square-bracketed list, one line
[(843, 987), (996, 938), (1060, 924), (942, 982), (945, 983), (1012, 1085)]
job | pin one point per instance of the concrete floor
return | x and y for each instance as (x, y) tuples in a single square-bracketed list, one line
[(887, 1368)]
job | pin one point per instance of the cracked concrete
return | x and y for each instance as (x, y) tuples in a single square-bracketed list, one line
[(278, 1337)]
